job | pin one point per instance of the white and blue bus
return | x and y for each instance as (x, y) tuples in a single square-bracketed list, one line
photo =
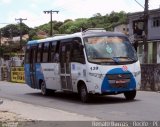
[(89, 62)]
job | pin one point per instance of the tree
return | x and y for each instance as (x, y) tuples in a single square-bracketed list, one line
[(67, 20), (32, 33), (13, 30), (65, 27), (25, 28), (10, 30), (44, 27), (56, 26), (97, 15)]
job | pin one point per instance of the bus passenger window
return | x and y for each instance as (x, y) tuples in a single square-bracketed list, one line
[(52, 51), (39, 57), (45, 52), (27, 54), (34, 54), (77, 52), (56, 55)]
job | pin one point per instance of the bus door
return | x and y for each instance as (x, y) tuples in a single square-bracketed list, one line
[(65, 65), (33, 66)]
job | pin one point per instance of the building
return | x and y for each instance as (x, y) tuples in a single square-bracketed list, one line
[(8, 41), (122, 27), (150, 72), (136, 31)]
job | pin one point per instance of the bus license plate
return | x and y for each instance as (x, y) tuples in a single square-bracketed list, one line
[(120, 81)]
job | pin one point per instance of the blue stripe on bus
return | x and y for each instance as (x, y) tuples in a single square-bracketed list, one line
[(38, 75), (107, 88), (32, 42), (27, 74)]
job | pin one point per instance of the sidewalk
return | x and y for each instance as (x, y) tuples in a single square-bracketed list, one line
[(18, 111)]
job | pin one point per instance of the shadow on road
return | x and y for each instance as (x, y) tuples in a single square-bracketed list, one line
[(74, 98)]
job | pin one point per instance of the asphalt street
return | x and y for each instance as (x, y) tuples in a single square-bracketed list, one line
[(146, 106)]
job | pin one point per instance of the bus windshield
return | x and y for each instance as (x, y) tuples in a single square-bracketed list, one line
[(102, 49)]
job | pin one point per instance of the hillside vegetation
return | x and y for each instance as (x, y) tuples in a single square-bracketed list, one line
[(68, 26)]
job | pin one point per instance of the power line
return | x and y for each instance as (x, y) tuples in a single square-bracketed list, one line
[(50, 12), (139, 3), (21, 20)]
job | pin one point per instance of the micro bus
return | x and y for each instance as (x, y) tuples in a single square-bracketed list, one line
[(93, 61)]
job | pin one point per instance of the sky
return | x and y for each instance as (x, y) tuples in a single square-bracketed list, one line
[(32, 10)]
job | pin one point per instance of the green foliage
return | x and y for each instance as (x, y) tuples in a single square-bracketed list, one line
[(35, 37), (107, 21), (32, 33), (13, 30), (74, 26), (69, 26), (10, 30), (65, 28), (1, 51), (44, 27)]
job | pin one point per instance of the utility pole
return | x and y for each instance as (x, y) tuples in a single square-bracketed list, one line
[(20, 20), (0, 37), (146, 31), (51, 12)]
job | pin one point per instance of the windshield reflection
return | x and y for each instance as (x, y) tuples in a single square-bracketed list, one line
[(109, 49)]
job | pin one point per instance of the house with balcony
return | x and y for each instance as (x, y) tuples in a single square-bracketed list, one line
[(136, 31), (150, 72)]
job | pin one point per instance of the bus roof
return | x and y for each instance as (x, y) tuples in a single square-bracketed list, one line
[(79, 34), (54, 38)]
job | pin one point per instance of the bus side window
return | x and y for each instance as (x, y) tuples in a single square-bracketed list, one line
[(27, 55), (45, 52), (52, 51), (77, 51), (56, 55), (34, 55), (39, 53)]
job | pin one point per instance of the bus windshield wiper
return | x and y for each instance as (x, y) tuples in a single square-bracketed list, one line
[(115, 59), (125, 57)]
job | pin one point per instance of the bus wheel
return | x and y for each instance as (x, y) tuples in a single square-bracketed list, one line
[(130, 95), (44, 91), (83, 94)]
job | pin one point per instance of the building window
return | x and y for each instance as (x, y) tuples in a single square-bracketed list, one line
[(138, 27), (156, 22)]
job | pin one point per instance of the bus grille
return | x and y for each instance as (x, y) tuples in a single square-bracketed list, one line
[(119, 80)]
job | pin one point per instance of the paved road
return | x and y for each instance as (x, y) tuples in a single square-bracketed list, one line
[(146, 106)]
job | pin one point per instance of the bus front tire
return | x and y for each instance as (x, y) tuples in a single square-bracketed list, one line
[(84, 96), (130, 95)]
